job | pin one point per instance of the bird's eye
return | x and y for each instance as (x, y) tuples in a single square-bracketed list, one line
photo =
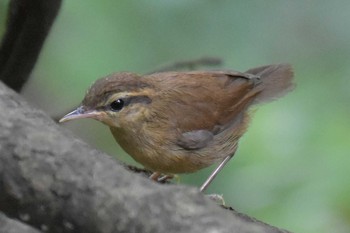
[(117, 105)]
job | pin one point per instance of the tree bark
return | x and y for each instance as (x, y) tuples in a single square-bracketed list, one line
[(8, 225)]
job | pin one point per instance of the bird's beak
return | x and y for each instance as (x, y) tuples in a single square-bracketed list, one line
[(80, 113)]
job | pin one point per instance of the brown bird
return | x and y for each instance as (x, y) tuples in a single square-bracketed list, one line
[(180, 122)]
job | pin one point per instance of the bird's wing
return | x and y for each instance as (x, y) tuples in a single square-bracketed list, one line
[(195, 139), (204, 104)]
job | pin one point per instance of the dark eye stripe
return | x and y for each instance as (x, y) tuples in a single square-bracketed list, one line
[(121, 103), (142, 99)]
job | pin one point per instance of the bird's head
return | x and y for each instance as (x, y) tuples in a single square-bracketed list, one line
[(115, 100)]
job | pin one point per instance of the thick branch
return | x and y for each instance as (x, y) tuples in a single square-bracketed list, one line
[(62, 185), (28, 24)]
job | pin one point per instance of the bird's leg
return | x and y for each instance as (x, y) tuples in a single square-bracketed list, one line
[(215, 172), (165, 178)]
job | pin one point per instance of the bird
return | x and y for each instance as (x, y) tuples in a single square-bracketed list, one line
[(181, 121)]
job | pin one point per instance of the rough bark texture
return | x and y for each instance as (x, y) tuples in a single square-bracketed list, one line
[(60, 184), (8, 225)]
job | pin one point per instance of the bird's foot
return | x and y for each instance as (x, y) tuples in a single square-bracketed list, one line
[(218, 198), (158, 177)]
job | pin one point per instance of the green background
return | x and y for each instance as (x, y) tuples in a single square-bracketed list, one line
[(293, 165)]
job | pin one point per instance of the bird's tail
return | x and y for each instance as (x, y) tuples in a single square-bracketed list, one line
[(276, 80)]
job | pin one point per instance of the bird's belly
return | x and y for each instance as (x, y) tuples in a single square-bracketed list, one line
[(173, 162), (168, 158)]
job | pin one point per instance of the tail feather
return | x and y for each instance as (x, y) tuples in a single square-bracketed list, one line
[(277, 80)]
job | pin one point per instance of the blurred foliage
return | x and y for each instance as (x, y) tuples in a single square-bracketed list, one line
[(292, 167)]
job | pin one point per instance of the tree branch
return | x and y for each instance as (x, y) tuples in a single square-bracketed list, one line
[(28, 24), (8, 225), (63, 185)]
